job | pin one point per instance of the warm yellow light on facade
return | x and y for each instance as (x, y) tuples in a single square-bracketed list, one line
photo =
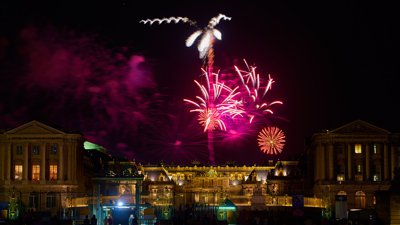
[(357, 149)]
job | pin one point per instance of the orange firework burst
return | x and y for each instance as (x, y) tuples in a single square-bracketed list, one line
[(211, 119), (271, 140)]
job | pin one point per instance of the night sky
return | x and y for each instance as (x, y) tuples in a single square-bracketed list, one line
[(93, 68)]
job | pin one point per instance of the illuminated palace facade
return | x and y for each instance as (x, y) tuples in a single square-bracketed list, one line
[(352, 162), (172, 188), (40, 168), (47, 170), (251, 187)]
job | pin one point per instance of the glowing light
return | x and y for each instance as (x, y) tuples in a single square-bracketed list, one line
[(178, 143), (223, 104), (168, 20), (92, 146), (120, 203), (226, 207), (254, 92), (235, 182), (208, 36), (271, 140), (209, 32)]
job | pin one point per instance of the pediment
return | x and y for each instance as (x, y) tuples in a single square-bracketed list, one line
[(359, 127), (34, 127)]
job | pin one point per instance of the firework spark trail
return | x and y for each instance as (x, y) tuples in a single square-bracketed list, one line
[(205, 47), (168, 20), (205, 44), (271, 140), (254, 102), (224, 104), (209, 32)]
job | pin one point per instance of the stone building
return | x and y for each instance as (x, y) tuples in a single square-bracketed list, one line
[(41, 170), (49, 171), (351, 163)]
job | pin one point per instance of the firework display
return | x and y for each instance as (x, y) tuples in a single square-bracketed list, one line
[(254, 93), (223, 104), (271, 140), (220, 103)]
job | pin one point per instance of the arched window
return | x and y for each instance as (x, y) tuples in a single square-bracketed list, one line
[(360, 200)]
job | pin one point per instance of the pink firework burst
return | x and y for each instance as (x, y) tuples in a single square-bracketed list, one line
[(253, 95), (271, 140), (214, 109)]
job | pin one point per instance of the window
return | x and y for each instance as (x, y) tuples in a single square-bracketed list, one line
[(360, 199), (375, 149), (53, 149), (357, 149), (340, 177), (50, 200), (53, 172), (35, 150), (18, 172), (376, 177), (36, 172), (359, 168), (19, 150), (33, 200)]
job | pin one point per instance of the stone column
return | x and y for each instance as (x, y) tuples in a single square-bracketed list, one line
[(367, 175), (319, 162), (392, 161), (69, 161), (385, 162), (2, 161), (26, 162), (8, 167), (43, 165), (349, 163), (330, 161), (73, 159), (60, 162)]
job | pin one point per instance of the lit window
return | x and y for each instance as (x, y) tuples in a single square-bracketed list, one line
[(18, 172), (36, 172), (53, 149), (376, 177), (357, 149), (340, 177), (375, 149), (360, 200), (19, 149), (53, 172), (35, 149)]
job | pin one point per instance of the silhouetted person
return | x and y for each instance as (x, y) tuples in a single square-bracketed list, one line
[(93, 220), (86, 221)]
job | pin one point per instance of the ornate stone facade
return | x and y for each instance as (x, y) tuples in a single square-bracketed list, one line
[(42, 167), (354, 160)]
